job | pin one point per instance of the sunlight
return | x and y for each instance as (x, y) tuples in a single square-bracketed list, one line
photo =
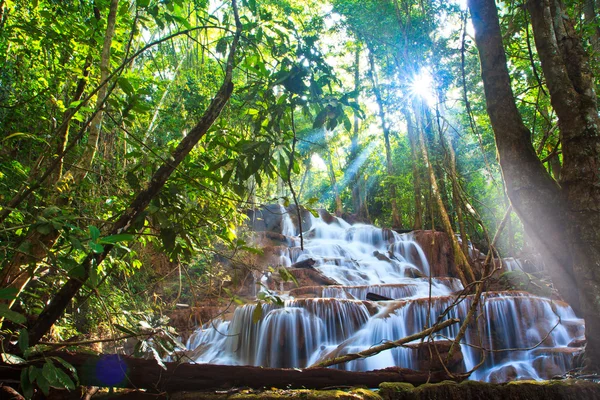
[(317, 162), (423, 86)]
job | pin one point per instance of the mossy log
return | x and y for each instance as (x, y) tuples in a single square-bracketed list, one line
[(128, 372)]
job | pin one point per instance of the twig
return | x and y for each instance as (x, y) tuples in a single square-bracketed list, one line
[(386, 346)]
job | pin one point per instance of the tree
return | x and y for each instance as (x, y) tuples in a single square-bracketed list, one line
[(562, 220)]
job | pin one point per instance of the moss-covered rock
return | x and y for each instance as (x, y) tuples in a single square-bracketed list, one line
[(305, 394), (518, 390)]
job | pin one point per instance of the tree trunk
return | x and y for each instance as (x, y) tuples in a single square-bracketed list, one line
[(463, 267), (456, 193), (591, 18), (396, 220), (536, 198), (36, 242), (353, 164), (67, 292), (87, 157), (113, 370), (413, 139), (339, 209), (571, 86)]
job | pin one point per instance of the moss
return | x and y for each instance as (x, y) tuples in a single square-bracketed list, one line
[(518, 390), (305, 394)]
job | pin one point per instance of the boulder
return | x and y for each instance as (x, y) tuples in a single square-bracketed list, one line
[(438, 249)]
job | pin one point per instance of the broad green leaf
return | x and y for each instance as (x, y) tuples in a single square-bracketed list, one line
[(26, 386), (49, 372), (8, 293), (96, 248), (43, 384), (126, 86), (67, 365), (23, 340), (122, 237), (64, 379), (94, 232), (11, 315)]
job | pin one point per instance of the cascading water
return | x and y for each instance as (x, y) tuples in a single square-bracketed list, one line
[(334, 320)]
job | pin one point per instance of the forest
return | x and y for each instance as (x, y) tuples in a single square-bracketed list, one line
[(169, 168)]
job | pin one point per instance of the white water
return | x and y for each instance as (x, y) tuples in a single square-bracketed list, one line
[(365, 259)]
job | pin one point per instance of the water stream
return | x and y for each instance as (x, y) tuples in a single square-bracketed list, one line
[(337, 319)]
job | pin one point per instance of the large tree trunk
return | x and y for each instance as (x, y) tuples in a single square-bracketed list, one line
[(396, 220), (566, 233), (128, 372), (571, 86)]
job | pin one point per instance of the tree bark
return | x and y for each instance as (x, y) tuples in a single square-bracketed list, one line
[(463, 266), (128, 372), (413, 139), (535, 196), (61, 300), (571, 85), (354, 147), (87, 157), (339, 209), (396, 220)]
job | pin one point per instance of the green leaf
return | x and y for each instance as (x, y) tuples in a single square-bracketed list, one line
[(23, 340), (94, 232), (320, 119), (286, 276), (125, 85), (33, 373), (68, 367), (125, 330), (122, 237), (257, 313), (222, 46), (11, 315), (12, 359), (64, 379), (44, 229), (49, 372), (168, 236), (43, 384), (96, 248), (8, 293), (26, 386)]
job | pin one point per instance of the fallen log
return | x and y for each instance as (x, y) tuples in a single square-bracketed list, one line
[(113, 370)]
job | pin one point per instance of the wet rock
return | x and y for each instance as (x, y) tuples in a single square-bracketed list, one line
[(547, 367), (504, 374), (266, 218), (438, 249), (431, 355), (578, 343)]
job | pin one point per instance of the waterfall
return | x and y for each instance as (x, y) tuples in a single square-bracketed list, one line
[(319, 322)]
